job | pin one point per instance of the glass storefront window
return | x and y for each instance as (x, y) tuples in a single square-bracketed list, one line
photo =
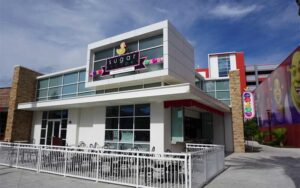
[(54, 93), (151, 41), (223, 95), (210, 86), (82, 76), (112, 111), (125, 130), (43, 83), (55, 81), (222, 85), (126, 110), (69, 89), (104, 54), (70, 78), (42, 93), (152, 53)]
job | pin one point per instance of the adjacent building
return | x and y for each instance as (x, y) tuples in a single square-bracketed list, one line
[(255, 74), (4, 100), (278, 99), (216, 76)]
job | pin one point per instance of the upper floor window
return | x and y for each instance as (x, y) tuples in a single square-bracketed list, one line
[(224, 66)]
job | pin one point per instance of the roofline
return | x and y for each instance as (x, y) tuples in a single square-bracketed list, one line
[(223, 53), (61, 72)]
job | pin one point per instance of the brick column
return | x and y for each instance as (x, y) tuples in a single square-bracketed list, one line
[(237, 112), (19, 122)]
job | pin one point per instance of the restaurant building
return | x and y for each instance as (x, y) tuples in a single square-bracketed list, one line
[(136, 90)]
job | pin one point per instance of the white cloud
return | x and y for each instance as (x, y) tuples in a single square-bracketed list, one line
[(234, 11)]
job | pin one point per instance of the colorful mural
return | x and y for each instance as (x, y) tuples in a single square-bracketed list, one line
[(280, 94)]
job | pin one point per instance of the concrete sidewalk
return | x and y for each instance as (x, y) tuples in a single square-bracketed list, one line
[(18, 178), (269, 168)]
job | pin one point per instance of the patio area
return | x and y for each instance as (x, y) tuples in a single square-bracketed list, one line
[(131, 168)]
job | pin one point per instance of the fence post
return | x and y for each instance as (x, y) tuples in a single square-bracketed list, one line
[(186, 171), (137, 169), (66, 158), (205, 164), (97, 170), (18, 152)]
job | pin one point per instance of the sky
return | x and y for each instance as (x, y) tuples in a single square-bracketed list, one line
[(52, 35)]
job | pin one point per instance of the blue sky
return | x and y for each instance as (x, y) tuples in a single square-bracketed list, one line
[(53, 35)]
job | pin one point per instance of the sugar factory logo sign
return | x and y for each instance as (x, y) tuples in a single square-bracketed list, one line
[(125, 62), (248, 103)]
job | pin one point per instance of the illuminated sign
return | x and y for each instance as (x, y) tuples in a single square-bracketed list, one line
[(248, 104), (124, 62)]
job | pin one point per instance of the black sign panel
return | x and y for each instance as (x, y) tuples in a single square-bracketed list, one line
[(130, 59)]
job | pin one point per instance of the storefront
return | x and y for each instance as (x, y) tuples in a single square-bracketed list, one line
[(137, 90)]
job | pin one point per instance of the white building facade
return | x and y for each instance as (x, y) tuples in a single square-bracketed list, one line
[(137, 90)]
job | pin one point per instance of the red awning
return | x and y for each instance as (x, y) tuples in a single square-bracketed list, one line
[(190, 103)]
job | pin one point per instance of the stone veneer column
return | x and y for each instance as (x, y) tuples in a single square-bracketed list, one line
[(23, 89), (237, 112)]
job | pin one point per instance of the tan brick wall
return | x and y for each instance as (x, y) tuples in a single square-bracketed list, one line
[(237, 113), (4, 97), (19, 122)]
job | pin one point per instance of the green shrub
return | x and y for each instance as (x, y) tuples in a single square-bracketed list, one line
[(279, 135), (250, 128), (260, 136)]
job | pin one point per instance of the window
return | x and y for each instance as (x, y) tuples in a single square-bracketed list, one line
[(128, 126), (70, 78), (218, 89), (151, 41), (224, 66), (43, 83), (55, 81), (64, 86), (104, 54)]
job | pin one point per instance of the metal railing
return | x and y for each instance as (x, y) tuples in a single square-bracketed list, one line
[(206, 160), (132, 168)]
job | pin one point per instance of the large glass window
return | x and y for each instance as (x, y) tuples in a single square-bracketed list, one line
[(104, 54), (218, 89), (70, 78), (151, 41), (69, 89), (224, 66), (43, 83), (55, 81), (128, 127)]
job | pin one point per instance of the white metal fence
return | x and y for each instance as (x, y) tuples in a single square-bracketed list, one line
[(206, 160), (133, 168)]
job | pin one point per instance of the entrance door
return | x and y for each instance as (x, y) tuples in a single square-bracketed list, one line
[(53, 130)]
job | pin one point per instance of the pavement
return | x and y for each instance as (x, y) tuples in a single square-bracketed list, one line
[(269, 168), (18, 178)]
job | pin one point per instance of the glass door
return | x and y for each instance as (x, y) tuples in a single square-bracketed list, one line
[(53, 130)]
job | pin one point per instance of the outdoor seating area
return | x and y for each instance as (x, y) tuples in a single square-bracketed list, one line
[(133, 168)]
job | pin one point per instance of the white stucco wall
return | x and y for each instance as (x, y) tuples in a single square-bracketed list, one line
[(36, 127), (157, 126), (180, 55), (232, 58), (213, 67), (72, 128), (91, 126)]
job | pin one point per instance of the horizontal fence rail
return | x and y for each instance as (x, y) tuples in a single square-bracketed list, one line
[(132, 168)]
